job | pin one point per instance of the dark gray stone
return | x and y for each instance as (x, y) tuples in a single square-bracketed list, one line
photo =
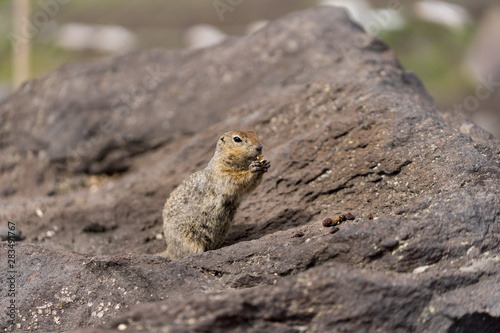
[(347, 130)]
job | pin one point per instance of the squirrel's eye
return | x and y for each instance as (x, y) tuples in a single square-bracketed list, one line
[(237, 139)]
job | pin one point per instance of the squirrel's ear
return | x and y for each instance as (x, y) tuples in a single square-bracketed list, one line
[(222, 138)]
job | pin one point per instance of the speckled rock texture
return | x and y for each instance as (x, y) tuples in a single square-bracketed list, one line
[(89, 157)]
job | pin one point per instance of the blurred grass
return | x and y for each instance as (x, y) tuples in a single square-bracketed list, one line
[(435, 53), (157, 23)]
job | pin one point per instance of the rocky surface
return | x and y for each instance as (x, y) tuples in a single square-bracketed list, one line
[(347, 129)]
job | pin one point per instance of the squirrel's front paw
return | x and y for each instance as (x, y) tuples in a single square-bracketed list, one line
[(265, 165), (260, 166)]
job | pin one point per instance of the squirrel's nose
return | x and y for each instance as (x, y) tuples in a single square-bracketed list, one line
[(259, 149)]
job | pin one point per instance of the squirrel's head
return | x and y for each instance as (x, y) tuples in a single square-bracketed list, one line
[(239, 148)]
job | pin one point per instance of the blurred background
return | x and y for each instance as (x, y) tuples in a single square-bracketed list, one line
[(453, 46)]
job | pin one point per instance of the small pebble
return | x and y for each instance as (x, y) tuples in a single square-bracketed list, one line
[(299, 234), (334, 230), (390, 244), (39, 212), (349, 216), (327, 222), (370, 217)]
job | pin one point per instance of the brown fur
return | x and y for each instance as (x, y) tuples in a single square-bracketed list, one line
[(199, 212)]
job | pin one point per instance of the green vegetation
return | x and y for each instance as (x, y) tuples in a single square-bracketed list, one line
[(436, 54)]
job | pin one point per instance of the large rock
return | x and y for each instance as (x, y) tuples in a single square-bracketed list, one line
[(57, 291), (346, 129)]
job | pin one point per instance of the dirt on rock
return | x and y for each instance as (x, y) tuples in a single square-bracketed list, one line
[(91, 151)]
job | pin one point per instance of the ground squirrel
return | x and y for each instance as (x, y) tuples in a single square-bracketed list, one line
[(199, 212)]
